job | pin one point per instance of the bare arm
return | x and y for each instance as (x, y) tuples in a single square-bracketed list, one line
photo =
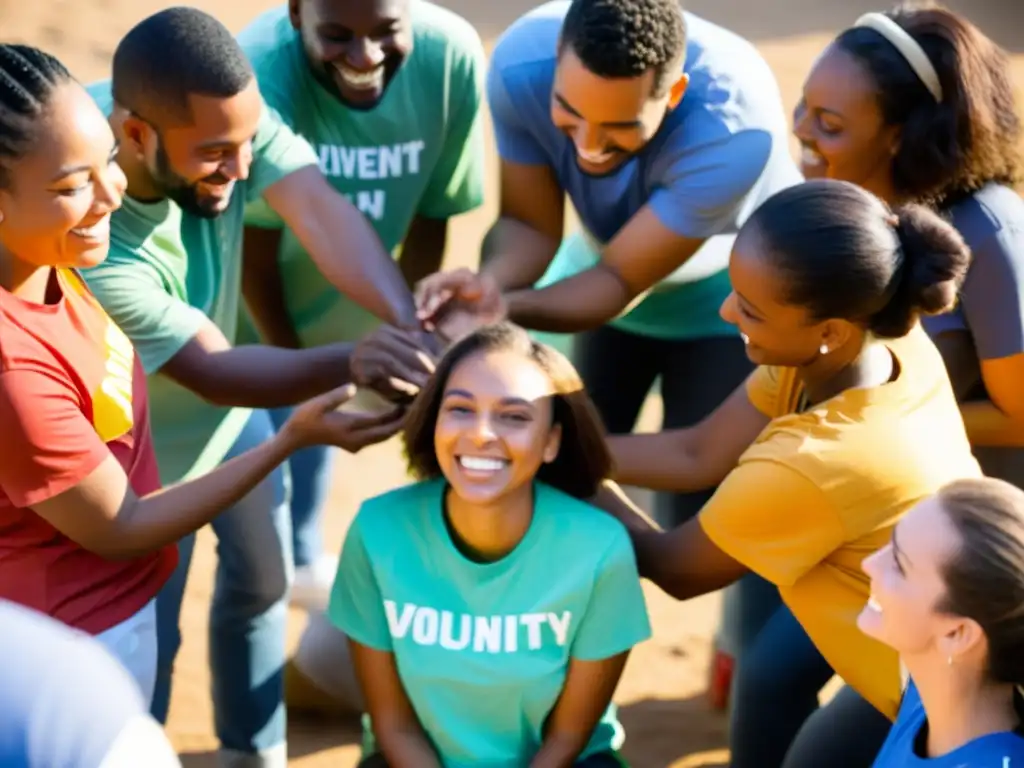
[(343, 245), (103, 514), (423, 249), (643, 253), (998, 421), (261, 287), (399, 734), (256, 375), (692, 458), (588, 688), (522, 242)]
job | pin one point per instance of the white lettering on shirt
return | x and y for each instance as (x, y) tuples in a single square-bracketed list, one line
[(371, 164)]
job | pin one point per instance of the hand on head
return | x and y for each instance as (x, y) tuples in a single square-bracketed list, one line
[(393, 362), (457, 302)]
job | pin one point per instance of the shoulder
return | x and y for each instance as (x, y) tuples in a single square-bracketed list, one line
[(992, 209), (267, 33), (526, 51), (441, 35), (388, 511), (580, 521), (271, 43)]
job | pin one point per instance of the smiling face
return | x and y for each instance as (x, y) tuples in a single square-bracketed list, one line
[(774, 332), (608, 120), (354, 47), (196, 164), (907, 586), (840, 127), (494, 428), (56, 209)]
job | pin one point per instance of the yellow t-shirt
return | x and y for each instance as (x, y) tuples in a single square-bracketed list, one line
[(818, 491)]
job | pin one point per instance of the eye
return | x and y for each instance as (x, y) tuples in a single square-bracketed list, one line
[(518, 417), (72, 191), (458, 409)]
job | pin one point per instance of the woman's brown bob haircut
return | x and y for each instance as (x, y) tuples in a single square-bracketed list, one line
[(583, 459)]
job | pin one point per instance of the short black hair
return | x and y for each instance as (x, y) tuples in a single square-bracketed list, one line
[(583, 460), (626, 38), (172, 55), (951, 149), (28, 77), (843, 253)]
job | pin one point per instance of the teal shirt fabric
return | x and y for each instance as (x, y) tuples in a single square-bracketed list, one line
[(169, 273), (420, 152), (483, 649)]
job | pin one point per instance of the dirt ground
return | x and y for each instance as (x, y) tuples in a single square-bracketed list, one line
[(668, 722)]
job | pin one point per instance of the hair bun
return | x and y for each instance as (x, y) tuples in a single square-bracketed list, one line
[(935, 262)]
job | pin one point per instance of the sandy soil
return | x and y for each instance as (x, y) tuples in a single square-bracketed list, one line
[(667, 719)]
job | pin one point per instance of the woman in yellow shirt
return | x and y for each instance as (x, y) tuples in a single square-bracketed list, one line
[(848, 421)]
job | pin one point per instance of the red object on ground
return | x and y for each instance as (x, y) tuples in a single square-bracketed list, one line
[(722, 665)]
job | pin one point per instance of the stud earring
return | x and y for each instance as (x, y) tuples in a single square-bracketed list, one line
[(823, 349)]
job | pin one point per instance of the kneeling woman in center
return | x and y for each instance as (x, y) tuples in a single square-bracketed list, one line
[(490, 610)]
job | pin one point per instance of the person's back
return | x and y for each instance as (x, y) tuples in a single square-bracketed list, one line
[(859, 460), (66, 703)]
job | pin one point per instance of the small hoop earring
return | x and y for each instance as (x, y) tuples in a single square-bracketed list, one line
[(823, 349)]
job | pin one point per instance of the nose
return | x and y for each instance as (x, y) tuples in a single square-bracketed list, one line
[(588, 138), (868, 563), (483, 430), (236, 165), (728, 310), (801, 125), (364, 54)]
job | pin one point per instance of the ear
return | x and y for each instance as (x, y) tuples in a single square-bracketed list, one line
[(962, 640), (294, 15), (136, 131), (553, 444), (675, 93), (835, 333)]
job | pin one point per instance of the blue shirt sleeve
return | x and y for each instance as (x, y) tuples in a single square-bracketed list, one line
[(992, 297), (704, 184), (516, 143), (616, 616), (356, 606)]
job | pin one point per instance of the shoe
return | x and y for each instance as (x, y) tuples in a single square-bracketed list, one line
[(311, 587)]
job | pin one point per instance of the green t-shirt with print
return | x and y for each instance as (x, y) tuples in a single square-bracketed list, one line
[(483, 649), (419, 152), (167, 273)]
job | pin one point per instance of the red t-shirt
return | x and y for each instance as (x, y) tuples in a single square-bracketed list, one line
[(72, 392)]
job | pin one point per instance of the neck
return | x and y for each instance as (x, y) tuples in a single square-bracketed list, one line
[(959, 706), (24, 280), (863, 363), (491, 531), (882, 188)]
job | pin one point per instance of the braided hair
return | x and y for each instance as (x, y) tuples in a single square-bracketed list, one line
[(28, 77)]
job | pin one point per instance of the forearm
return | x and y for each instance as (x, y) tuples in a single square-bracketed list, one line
[(515, 254), (174, 512), (663, 461), (559, 750), (263, 290), (423, 249), (261, 376), (990, 427), (577, 303), (347, 251), (407, 748)]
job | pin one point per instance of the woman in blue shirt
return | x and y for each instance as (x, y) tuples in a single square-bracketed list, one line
[(489, 609), (948, 594)]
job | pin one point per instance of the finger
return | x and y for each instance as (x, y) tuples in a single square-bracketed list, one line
[(405, 387), (433, 302), (333, 400), (358, 422)]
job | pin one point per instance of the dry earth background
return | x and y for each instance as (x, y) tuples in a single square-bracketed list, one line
[(661, 695)]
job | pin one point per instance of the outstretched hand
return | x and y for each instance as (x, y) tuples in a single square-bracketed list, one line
[(474, 298), (319, 422), (394, 363)]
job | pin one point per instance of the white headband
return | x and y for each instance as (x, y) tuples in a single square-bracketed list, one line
[(908, 47)]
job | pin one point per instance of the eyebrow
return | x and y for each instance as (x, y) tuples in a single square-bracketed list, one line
[(469, 396), (898, 553), (611, 124), (69, 170)]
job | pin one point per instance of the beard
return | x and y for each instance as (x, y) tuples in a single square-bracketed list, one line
[(184, 194)]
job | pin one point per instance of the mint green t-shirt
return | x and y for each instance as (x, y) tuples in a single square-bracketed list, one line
[(168, 272), (483, 649), (420, 152)]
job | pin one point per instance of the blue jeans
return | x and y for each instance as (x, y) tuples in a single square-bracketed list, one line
[(310, 471), (248, 615), (775, 719)]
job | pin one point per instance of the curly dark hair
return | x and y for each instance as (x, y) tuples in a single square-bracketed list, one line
[(625, 38), (948, 150), (583, 459)]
